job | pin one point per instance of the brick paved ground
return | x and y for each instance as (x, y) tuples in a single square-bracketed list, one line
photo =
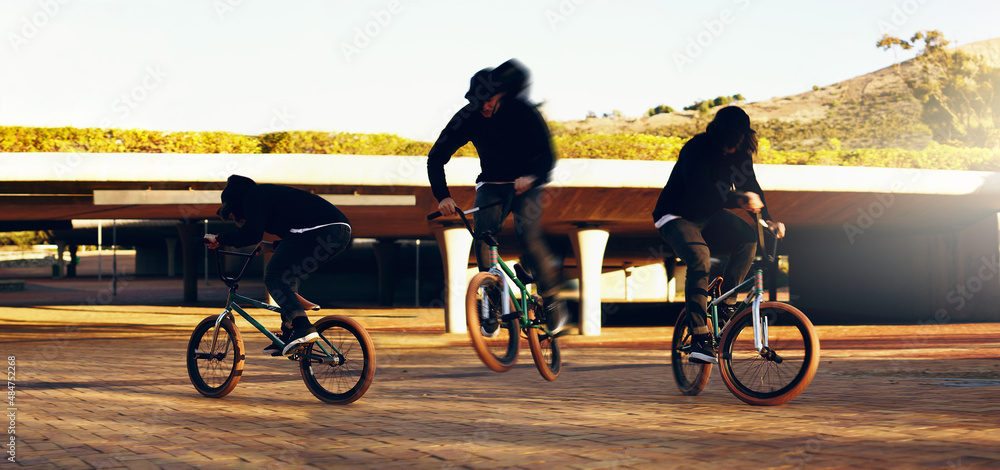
[(106, 387)]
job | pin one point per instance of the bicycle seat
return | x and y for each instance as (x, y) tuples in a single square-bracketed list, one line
[(523, 275), (489, 239), (307, 305)]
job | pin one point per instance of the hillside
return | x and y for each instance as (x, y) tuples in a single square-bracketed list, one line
[(875, 110)]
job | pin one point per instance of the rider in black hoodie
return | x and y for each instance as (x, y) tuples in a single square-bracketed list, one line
[(714, 172), (312, 232), (516, 156)]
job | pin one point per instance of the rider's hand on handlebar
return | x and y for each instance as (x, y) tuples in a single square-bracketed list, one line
[(523, 184), (447, 206), (750, 201), (210, 241), (777, 228)]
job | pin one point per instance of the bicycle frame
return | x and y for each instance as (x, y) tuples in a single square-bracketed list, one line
[(500, 268), (754, 298), (232, 303)]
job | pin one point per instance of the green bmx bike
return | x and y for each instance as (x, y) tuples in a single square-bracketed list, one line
[(497, 316), (338, 368), (768, 351)]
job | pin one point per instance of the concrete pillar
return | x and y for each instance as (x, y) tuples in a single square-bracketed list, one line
[(71, 267), (455, 244), (387, 258), (60, 262), (588, 246), (191, 247), (627, 269), (171, 255)]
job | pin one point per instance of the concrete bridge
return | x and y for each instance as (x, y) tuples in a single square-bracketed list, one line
[(890, 245)]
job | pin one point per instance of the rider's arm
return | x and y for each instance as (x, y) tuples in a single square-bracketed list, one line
[(750, 184), (453, 137)]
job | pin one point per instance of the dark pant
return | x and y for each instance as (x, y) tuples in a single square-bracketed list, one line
[(527, 210), (693, 241), (296, 258)]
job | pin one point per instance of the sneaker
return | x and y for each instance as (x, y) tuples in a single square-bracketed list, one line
[(274, 349), (489, 327), (702, 352), (302, 333), (556, 317)]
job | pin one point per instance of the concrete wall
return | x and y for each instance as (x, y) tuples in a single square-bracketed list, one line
[(896, 276)]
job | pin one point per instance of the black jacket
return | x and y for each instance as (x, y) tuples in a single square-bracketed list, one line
[(514, 142), (277, 210), (702, 181)]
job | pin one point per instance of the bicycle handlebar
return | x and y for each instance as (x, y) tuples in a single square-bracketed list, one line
[(437, 214), (231, 281), (761, 223), (462, 213)]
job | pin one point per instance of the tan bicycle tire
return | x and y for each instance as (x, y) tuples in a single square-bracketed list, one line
[(498, 353)]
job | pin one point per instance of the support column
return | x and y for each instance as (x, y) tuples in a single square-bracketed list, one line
[(60, 262), (455, 244), (71, 267), (387, 259), (589, 243), (171, 255), (191, 247)]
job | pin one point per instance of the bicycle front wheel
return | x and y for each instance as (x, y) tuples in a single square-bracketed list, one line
[(495, 340), (343, 372), (691, 377), (786, 366), (544, 350), (215, 374)]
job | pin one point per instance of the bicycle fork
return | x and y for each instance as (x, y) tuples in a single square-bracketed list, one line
[(215, 334), (759, 324), (484, 307)]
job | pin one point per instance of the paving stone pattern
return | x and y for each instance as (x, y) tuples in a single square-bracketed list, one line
[(107, 387)]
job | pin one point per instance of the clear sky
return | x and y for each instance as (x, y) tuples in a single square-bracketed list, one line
[(402, 66)]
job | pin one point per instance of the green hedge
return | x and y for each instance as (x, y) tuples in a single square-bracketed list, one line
[(599, 146), (68, 139)]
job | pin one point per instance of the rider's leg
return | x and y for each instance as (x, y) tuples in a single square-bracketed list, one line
[(489, 219), (294, 260), (685, 239), (728, 233), (527, 209)]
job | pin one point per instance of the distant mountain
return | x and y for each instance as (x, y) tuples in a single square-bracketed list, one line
[(875, 110)]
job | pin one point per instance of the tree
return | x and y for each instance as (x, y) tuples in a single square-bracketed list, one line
[(959, 92), (661, 109)]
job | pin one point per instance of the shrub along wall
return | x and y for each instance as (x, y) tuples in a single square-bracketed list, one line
[(602, 146)]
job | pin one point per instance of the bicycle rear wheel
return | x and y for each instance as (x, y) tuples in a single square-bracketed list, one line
[(787, 365), (215, 375), (691, 377), (342, 378), (544, 349), (495, 340)]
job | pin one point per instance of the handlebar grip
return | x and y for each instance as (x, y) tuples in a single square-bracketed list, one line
[(434, 215)]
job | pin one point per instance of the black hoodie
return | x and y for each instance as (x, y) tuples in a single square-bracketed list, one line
[(514, 142), (274, 209), (702, 181)]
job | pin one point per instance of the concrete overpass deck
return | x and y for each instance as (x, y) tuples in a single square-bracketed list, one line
[(910, 237)]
